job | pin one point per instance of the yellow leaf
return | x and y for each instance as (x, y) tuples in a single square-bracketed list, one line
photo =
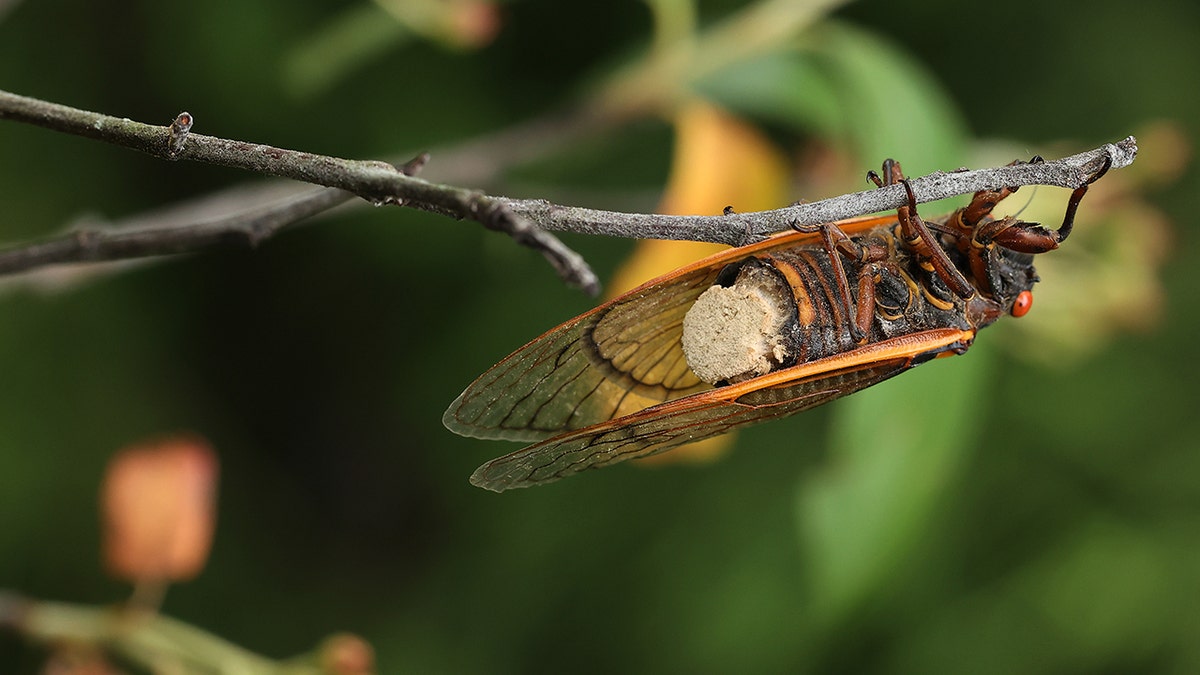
[(719, 161)]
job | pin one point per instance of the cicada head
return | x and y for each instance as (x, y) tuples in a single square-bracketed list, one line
[(1005, 280), (1015, 277)]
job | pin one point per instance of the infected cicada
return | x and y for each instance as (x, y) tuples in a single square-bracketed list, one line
[(754, 333)]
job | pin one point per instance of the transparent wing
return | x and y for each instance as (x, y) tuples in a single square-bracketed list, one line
[(616, 359), (714, 412)]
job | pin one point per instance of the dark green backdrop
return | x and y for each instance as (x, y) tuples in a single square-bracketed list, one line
[(1063, 536)]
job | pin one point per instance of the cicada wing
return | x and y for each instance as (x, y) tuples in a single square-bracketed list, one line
[(714, 412), (616, 359), (619, 358)]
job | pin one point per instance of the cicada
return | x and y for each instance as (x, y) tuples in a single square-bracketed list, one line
[(753, 334)]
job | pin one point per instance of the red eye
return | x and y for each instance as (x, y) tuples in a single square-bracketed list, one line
[(1022, 304)]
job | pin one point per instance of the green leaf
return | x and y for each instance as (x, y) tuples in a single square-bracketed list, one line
[(890, 105), (894, 448), (853, 87), (354, 38), (783, 87)]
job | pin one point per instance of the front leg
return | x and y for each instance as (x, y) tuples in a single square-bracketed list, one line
[(916, 235), (1025, 237)]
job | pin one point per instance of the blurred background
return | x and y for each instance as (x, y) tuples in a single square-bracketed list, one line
[(1033, 506)]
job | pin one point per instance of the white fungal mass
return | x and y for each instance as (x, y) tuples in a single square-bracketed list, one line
[(735, 333)]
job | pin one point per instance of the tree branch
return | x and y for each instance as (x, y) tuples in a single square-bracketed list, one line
[(524, 219), (737, 229), (101, 244), (376, 181)]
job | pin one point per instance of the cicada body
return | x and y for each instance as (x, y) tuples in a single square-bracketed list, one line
[(751, 334)]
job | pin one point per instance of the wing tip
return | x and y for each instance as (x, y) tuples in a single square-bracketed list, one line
[(484, 477), (509, 473), (450, 417), (454, 423), (452, 420)]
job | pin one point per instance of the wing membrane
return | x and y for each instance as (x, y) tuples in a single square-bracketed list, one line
[(714, 412), (619, 358)]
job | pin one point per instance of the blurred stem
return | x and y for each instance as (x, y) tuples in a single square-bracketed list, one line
[(659, 82), (150, 640), (674, 22), (429, 18), (354, 37), (148, 595)]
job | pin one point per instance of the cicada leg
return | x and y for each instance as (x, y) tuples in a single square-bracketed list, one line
[(838, 244), (917, 236), (982, 203), (1032, 237), (984, 234)]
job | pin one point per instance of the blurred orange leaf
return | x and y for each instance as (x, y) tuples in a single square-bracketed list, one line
[(719, 161), (158, 501), (346, 654)]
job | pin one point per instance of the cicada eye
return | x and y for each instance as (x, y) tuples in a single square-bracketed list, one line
[(1022, 304)]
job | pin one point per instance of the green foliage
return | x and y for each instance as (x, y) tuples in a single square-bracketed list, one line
[(854, 87), (976, 515)]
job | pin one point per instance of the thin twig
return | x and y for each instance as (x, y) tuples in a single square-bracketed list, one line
[(738, 229), (380, 182), (100, 244), (476, 161), (376, 181)]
